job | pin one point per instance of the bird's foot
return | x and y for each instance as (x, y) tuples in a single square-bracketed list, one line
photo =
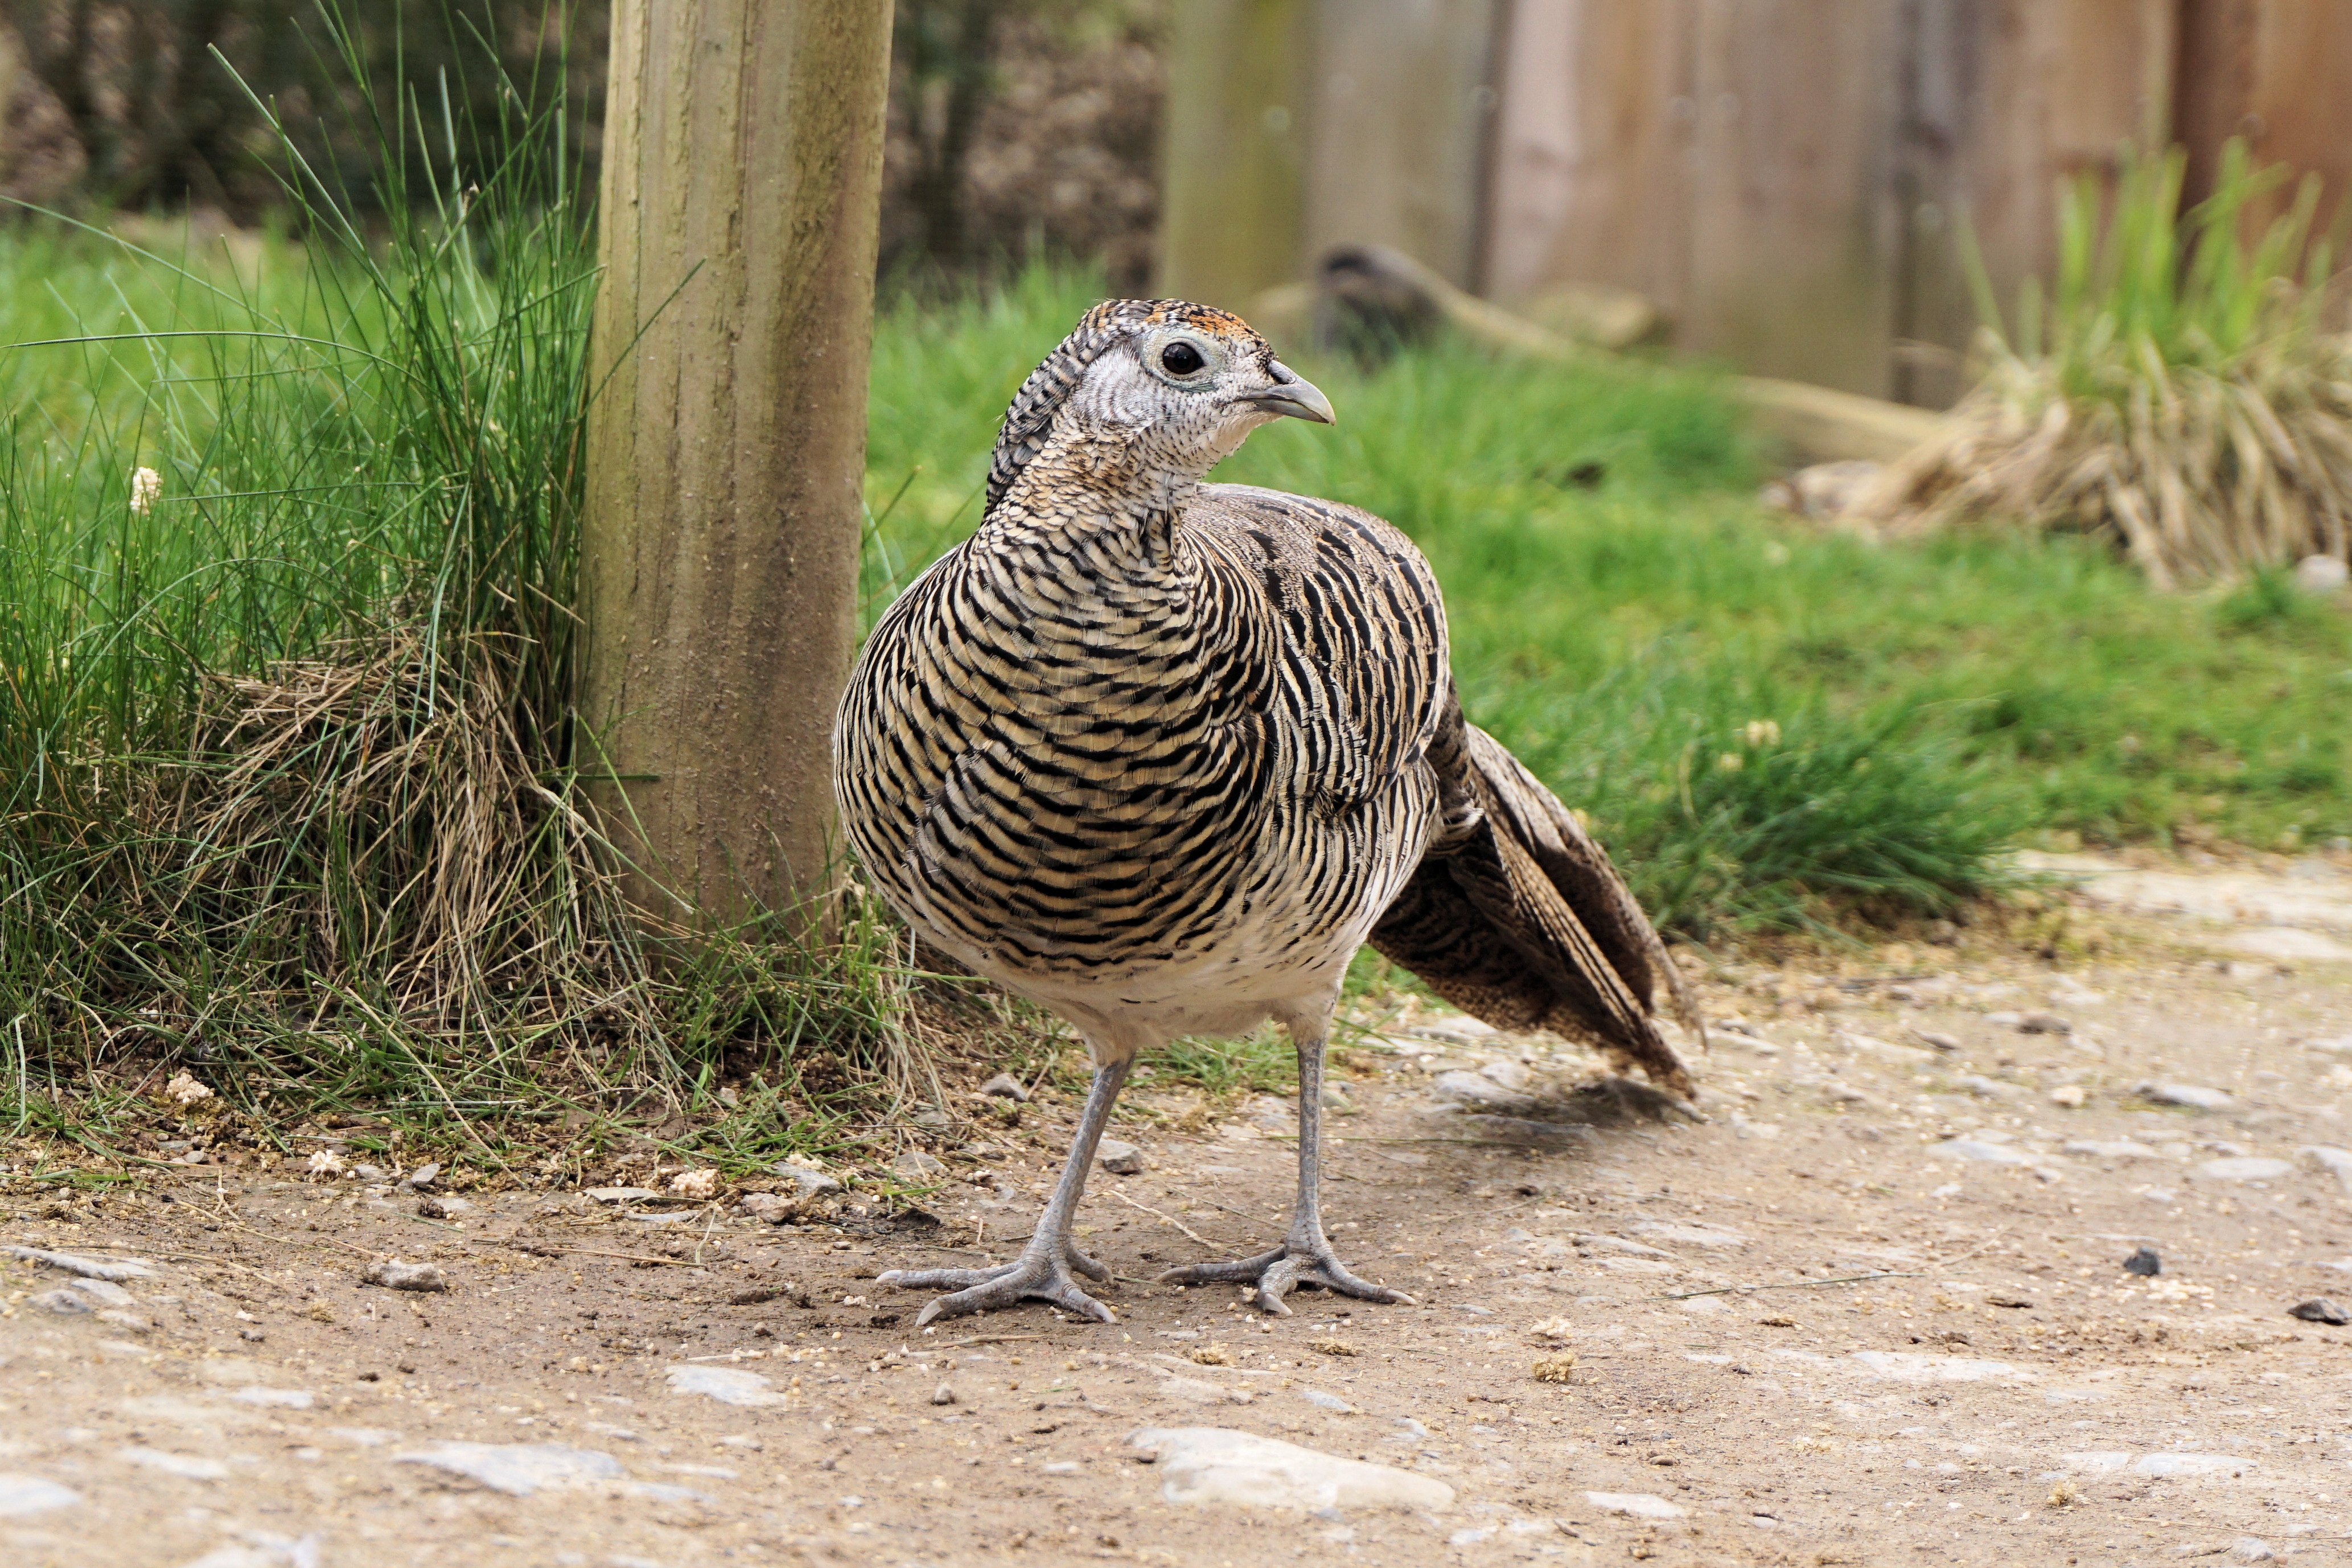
[(1301, 1260), (1039, 1277)]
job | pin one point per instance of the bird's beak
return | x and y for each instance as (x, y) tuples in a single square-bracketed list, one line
[(1293, 395)]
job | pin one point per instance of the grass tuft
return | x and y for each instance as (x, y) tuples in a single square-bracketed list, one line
[(2179, 397)]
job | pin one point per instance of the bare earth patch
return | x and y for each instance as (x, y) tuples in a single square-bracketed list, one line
[(1874, 1310)]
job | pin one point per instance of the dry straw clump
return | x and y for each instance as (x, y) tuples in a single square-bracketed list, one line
[(2178, 396)]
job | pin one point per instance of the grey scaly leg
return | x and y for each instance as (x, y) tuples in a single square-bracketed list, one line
[(1042, 1271), (1305, 1257)]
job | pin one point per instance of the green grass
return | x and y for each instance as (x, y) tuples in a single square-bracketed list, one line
[(288, 784)]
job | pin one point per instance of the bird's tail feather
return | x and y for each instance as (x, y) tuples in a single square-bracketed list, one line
[(1518, 918)]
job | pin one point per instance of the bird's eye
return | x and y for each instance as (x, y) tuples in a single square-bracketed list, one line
[(1181, 359)]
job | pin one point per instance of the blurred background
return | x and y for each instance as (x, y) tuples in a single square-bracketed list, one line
[(1778, 182)]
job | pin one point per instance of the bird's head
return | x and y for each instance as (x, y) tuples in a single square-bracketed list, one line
[(1173, 386)]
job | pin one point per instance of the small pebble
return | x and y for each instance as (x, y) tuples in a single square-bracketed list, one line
[(1004, 1086), (2045, 1023), (2145, 1263), (2068, 1096), (2245, 1167), (2320, 1310), (442, 1208), (2251, 1549), (422, 1175), (1936, 1038), (65, 1304), (22, 1494), (1118, 1159), (396, 1275), (773, 1206), (915, 1166), (943, 1394), (2321, 574), (2193, 1095), (812, 1183), (105, 1292)]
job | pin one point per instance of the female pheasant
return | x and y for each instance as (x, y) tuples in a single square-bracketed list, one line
[(1160, 755)]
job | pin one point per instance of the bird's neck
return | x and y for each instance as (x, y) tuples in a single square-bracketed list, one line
[(1103, 505)]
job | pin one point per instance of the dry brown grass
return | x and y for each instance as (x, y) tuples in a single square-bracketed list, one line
[(2186, 403)]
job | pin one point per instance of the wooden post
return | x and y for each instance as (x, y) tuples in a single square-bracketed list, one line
[(1239, 89), (740, 214), (1400, 118), (2275, 72)]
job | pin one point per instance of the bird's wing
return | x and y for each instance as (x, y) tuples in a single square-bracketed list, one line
[(1516, 916), (1361, 670)]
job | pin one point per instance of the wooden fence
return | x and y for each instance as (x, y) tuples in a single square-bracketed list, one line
[(1785, 177)]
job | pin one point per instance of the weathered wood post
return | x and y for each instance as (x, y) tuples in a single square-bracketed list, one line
[(739, 221)]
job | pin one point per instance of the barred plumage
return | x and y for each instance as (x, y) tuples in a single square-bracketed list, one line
[(1161, 755)]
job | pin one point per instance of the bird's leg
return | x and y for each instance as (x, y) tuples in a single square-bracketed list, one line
[(1042, 1271), (1305, 1257)]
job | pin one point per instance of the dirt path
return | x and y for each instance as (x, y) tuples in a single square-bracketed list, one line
[(655, 1383)]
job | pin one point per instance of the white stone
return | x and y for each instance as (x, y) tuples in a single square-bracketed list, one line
[(186, 1466), (728, 1384), (23, 1494), (1458, 1027), (2190, 1094), (1982, 1153), (105, 1292), (1120, 1158), (2335, 1162), (276, 1398), (1908, 1367), (117, 1270), (811, 1183), (1216, 1465), (2321, 574), (2250, 1167), (518, 1469), (2287, 945), (1882, 1048), (621, 1193), (2160, 1465), (2112, 1149), (395, 1275), (1690, 1235), (1330, 1402), (1638, 1504)]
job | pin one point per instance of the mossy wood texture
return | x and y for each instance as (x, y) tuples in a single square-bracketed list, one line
[(742, 178)]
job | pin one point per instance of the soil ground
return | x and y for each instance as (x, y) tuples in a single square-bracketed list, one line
[(1921, 1346)]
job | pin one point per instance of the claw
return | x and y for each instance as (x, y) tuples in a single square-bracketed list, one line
[(1039, 1278), (1284, 1269)]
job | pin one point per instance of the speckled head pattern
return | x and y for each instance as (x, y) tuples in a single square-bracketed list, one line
[(1199, 378)]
